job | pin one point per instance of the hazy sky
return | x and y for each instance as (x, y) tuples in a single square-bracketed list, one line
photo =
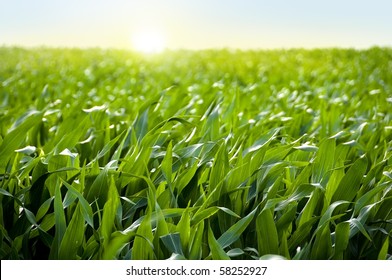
[(196, 24)]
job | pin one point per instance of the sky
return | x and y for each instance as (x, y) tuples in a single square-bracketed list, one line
[(196, 24)]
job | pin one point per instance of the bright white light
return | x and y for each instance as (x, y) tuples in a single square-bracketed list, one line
[(148, 41)]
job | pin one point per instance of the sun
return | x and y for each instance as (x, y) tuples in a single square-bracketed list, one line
[(148, 41)]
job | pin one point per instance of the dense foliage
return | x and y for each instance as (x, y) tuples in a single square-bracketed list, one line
[(195, 155)]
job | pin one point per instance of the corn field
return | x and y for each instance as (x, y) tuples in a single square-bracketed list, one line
[(198, 155)]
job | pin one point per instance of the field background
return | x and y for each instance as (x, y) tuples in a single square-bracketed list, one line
[(108, 154)]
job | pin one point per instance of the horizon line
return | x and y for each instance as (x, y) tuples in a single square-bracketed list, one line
[(169, 49)]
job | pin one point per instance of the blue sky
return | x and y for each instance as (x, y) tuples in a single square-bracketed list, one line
[(197, 24)]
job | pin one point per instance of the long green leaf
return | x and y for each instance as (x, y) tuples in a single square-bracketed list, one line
[(196, 239), (184, 229), (383, 254), (342, 236), (216, 249), (167, 164), (73, 236), (324, 162), (235, 231), (267, 235), (142, 247), (60, 223), (86, 209), (109, 213), (351, 182)]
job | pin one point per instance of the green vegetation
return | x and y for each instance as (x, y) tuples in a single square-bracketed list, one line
[(195, 155)]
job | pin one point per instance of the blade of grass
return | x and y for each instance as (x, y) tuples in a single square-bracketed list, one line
[(342, 236), (73, 236), (235, 231), (60, 223), (351, 182), (109, 213), (267, 235), (216, 249), (324, 162)]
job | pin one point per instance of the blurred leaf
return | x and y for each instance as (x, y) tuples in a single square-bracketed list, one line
[(272, 257), (108, 146), (235, 252), (16, 135), (307, 148), (167, 164), (73, 136), (383, 254), (28, 150)]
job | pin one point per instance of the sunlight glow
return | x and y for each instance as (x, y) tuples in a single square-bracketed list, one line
[(148, 41)]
